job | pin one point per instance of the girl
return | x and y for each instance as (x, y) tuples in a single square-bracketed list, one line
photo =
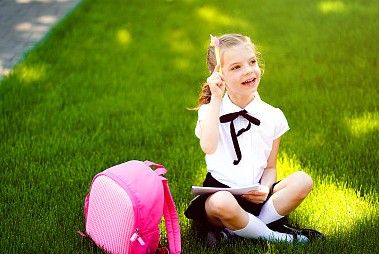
[(240, 135)]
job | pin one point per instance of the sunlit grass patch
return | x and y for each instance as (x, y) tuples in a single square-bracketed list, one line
[(331, 207), (366, 123), (332, 6), (287, 165), (28, 74), (215, 16), (123, 36), (336, 209), (180, 42)]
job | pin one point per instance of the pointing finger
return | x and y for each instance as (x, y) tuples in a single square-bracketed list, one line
[(217, 68)]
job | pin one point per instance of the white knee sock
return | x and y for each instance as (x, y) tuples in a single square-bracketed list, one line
[(268, 213), (256, 229)]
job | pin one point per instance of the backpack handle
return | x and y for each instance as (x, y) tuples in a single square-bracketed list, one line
[(159, 169)]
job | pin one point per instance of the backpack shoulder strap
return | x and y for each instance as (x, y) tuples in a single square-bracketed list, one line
[(169, 212), (171, 220)]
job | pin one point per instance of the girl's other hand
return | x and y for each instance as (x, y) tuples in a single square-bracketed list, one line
[(216, 83), (257, 196)]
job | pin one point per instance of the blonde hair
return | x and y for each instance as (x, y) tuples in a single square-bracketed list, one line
[(226, 41)]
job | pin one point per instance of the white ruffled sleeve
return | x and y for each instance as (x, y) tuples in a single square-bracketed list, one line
[(202, 112), (281, 125)]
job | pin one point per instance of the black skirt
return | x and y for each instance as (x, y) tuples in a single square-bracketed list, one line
[(196, 208)]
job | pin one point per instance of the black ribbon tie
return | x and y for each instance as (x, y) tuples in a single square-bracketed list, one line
[(230, 118)]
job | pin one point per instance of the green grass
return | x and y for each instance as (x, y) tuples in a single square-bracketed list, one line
[(111, 83)]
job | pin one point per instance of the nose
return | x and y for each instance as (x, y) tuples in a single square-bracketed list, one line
[(252, 68), (248, 69)]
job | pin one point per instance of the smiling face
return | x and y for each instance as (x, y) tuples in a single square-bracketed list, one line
[(241, 72)]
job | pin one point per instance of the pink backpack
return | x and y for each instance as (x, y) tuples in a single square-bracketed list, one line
[(124, 208)]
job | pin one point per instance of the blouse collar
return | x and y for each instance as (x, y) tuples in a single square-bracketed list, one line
[(230, 107)]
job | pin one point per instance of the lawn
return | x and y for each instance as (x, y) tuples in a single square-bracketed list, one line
[(112, 82)]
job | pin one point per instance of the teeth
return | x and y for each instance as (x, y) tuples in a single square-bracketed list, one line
[(248, 81)]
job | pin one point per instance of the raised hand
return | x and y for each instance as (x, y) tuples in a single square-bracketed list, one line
[(216, 83)]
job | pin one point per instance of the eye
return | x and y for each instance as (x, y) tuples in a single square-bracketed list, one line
[(253, 61), (235, 67)]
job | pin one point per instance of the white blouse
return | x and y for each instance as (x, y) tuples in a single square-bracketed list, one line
[(255, 144)]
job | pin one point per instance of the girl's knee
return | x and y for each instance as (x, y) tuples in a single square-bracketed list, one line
[(221, 204), (298, 185), (304, 183)]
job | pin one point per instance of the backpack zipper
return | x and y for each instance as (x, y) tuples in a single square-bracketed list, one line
[(136, 236)]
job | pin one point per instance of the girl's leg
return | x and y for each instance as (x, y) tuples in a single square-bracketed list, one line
[(288, 195), (290, 192), (224, 211)]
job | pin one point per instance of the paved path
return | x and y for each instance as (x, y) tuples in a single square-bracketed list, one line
[(25, 22)]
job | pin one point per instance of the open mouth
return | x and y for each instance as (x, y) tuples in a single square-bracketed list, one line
[(249, 82)]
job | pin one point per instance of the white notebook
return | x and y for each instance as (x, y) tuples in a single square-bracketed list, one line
[(198, 190)]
